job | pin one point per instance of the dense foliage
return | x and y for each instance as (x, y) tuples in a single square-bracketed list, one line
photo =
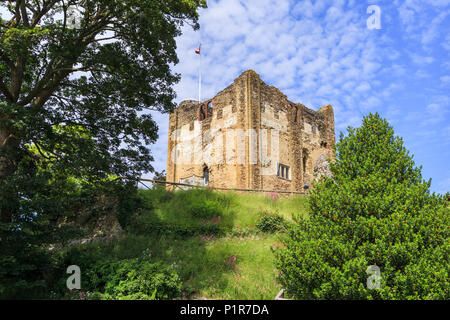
[(27, 265), (76, 80), (127, 279), (375, 211), (136, 280), (271, 222)]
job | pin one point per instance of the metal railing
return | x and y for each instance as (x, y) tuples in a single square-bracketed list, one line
[(213, 188)]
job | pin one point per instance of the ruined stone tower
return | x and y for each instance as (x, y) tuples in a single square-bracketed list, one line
[(249, 136)]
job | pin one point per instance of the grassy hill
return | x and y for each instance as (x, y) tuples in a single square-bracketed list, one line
[(218, 243)]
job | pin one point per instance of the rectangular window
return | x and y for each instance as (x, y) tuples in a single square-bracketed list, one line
[(283, 171)]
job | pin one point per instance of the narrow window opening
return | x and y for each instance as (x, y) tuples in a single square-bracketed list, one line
[(305, 159), (209, 107), (202, 112), (206, 175)]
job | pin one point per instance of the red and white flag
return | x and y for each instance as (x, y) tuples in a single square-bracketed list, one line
[(198, 49)]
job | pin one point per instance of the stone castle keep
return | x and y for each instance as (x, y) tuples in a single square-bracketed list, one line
[(249, 136)]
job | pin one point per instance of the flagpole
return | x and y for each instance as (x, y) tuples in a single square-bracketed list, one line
[(200, 78)]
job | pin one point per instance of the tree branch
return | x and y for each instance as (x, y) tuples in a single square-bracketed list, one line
[(55, 73), (45, 8), (17, 77), (23, 10), (4, 89), (41, 153)]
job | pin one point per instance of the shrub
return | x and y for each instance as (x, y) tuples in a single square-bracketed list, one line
[(375, 211), (133, 279), (271, 222), (25, 269)]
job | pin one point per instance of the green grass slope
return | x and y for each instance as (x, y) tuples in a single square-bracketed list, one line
[(212, 240)]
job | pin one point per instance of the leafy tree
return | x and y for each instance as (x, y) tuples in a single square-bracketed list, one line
[(96, 75), (160, 176), (375, 211), (75, 79)]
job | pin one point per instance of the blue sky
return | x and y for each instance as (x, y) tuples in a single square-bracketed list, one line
[(321, 52)]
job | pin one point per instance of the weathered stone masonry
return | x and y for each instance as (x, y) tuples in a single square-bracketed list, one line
[(249, 136)]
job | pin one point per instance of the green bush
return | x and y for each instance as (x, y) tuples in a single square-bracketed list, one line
[(375, 211), (25, 269), (133, 279), (271, 222)]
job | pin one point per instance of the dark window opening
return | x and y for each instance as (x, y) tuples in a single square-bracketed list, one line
[(202, 112), (323, 144), (206, 175), (305, 159), (283, 171)]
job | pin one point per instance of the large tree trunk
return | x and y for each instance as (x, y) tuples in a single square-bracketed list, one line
[(9, 156)]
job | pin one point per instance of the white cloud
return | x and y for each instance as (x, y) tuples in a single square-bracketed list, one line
[(408, 13), (420, 59), (445, 80), (433, 29), (444, 186), (436, 111), (440, 3)]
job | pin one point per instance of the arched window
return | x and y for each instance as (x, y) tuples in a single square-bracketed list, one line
[(205, 110), (206, 175)]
